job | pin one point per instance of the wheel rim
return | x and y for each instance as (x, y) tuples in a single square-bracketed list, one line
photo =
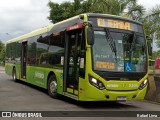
[(14, 76), (53, 87)]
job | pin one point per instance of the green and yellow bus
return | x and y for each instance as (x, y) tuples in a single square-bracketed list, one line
[(90, 57)]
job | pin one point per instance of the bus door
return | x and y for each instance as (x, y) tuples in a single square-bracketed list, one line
[(72, 58), (23, 60)]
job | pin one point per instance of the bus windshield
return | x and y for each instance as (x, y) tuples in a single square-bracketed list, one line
[(119, 52)]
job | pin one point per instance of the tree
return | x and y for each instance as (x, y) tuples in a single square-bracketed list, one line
[(155, 12), (59, 12), (129, 8), (1, 46), (155, 54), (2, 55), (151, 24), (2, 52)]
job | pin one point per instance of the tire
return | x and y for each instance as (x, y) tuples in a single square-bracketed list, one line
[(52, 87), (14, 75)]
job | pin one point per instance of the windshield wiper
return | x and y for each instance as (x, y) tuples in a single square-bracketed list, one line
[(133, 41), (111, 42), (132, 44)]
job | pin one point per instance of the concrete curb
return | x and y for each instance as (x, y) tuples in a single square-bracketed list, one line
[(153, 92)]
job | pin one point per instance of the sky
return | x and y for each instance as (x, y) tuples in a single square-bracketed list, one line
[(18, 17)]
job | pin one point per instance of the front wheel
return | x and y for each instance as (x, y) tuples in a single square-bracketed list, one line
[(52, 87)]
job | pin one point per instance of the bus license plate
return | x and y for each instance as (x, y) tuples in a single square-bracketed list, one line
[(121, 98)]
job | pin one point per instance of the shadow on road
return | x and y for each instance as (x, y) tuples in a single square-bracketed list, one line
[(31, 86), (87, 105), (97, 104)]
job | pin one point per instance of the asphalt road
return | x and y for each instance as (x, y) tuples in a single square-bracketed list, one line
[(19, 96)]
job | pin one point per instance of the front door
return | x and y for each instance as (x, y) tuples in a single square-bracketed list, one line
[(72, 58), (23, 60)]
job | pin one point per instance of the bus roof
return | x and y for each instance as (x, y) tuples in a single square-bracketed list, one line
[(39, 31), (33, 33), (51, 26)]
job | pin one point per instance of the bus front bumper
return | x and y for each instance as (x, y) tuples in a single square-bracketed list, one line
[(95, 94)]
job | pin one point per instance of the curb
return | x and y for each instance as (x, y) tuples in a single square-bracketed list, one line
[(153, 91)]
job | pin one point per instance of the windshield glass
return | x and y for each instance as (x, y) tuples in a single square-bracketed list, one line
[(119, 52)]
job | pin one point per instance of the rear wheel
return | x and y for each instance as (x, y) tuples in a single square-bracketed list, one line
[(52, 87), (14, 75)]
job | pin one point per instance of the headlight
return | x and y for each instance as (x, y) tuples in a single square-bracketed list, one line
[(97, 83), (143, 84)]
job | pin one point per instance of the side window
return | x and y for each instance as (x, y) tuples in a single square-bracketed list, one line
[(56, 49), (12, 52), (42, 49), (32, 47), (18, 52)]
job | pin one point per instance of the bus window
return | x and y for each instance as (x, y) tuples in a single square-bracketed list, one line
[(32, 47), (56, 49), (42, 48)]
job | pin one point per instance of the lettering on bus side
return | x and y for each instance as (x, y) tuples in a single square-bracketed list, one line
[(39, 75), (112, 85)]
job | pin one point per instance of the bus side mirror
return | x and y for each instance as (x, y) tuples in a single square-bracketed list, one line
[(90, 36), (149, 44), (149, 49)]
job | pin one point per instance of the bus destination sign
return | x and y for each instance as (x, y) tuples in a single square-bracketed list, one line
[(118, 24)]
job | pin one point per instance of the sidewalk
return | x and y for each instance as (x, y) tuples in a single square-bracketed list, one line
[(2, 68)]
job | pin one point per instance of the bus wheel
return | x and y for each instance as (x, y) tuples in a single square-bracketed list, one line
[(52, 87), (14, 75)]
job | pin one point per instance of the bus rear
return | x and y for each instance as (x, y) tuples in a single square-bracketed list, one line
[(116, 60)]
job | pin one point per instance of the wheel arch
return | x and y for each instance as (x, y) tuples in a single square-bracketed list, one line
[(49, 75)]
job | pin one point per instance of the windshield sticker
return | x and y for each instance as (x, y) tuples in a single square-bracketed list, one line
[(106, 65), (128, 66), (101, 57)]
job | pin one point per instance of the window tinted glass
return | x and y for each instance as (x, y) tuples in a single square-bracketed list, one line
[(32, 47), (56, 48), (42, 49)]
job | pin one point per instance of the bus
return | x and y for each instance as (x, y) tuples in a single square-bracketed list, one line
[(89, 57)]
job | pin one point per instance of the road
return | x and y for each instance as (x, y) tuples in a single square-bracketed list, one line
[(19, 96)]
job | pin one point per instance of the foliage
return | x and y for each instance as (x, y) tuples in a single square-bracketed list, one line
[(151, 24), (155, 54), (59, 12), (2, 56), (129, 8), (1, 46), (2, 52)]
